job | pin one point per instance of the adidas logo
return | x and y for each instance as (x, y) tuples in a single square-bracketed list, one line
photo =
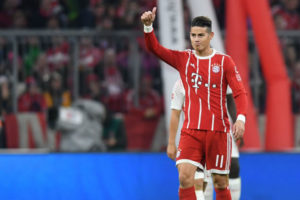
[(192, 65)]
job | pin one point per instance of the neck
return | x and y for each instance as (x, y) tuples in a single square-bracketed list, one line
[(205, 52)]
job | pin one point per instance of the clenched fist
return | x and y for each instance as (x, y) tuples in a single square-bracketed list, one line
[(171, 151), (148, 17)]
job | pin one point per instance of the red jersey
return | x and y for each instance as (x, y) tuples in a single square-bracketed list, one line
[(205, 80)]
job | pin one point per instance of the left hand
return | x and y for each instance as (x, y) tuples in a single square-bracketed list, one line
[(238, 129)]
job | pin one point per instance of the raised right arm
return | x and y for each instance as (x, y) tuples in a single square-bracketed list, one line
[(171, 57)]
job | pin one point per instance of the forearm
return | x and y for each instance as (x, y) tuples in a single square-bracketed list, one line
[(241, 103), (167, 55), (173, 127), (231, 107)]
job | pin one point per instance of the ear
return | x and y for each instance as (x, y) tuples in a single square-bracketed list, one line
[(211, 35)]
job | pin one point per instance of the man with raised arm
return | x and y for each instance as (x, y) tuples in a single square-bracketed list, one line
[(205, 136)]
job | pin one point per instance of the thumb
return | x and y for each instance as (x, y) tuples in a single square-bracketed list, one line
[(154, 11)]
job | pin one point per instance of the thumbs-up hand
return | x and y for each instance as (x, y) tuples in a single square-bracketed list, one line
[(148, 17)]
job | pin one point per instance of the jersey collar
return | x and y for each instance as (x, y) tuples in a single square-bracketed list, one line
[(205, 57)]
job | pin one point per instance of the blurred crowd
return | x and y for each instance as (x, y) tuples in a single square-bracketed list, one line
[(286, 15), (46, 65), (56, 14)]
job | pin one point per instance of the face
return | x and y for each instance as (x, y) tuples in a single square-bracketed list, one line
[(56, 84), (200, 38), (291, 4)]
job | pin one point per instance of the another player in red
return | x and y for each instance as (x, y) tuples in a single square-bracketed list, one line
[(205, 137)]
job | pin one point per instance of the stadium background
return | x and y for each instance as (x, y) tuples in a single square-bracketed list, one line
[(56, 52)]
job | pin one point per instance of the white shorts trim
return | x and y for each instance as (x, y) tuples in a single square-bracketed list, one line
[(190, 162), (207, 176), (217, 171), (199, 175), (234, 149)]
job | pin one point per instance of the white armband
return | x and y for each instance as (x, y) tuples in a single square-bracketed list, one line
[(148, 29)]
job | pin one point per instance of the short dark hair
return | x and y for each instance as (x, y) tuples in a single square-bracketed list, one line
[(202, 21)]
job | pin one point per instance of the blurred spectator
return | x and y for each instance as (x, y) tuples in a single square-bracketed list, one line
[(56, 96), (53, 23), (286, 15), (7, 12), (19, 20), (114, 131), (46, 10), (89, 59), (280, 23), (113, 82), (3, 48), (90, 55), (5, 97), (31, 55), (296, 87), (41, 71), (122, 63), (58, 55), (95, 91), (102, 21), (150, 102), (290, 54), (150, 65), (129, 14), (32, 100), (141, 120)]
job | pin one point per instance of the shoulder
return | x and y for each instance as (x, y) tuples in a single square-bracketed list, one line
[(222, 58), (187, 52), (226, 59), (222, 54), (178, 84)]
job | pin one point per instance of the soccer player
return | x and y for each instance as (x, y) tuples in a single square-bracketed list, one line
[(177, 105), (205, 136)]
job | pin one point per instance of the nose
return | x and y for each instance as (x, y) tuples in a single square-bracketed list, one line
[(197, 39)]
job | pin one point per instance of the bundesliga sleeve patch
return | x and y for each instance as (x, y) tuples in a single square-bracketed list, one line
[(237, 75)]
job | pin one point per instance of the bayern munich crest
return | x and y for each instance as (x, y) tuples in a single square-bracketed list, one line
[(216, 69)]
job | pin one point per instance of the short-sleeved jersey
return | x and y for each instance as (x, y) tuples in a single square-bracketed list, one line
[(205, 80), (178, 96)]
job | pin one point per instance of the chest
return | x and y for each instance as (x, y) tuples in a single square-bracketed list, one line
[(205, 73)]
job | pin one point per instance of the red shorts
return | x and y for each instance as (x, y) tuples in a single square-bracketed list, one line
[(202, 147)]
